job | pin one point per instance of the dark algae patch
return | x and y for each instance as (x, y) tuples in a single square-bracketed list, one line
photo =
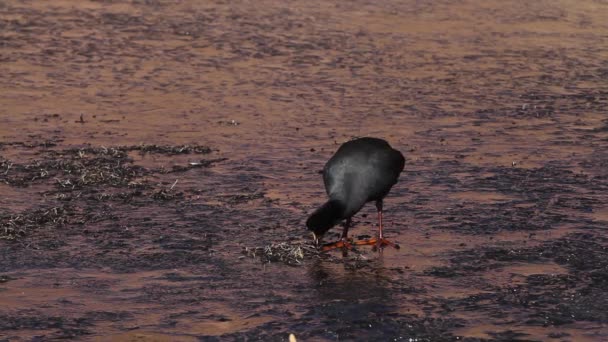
[(158, 162)]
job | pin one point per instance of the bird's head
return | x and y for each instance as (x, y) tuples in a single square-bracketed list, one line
[(323, 219), (318, 227)]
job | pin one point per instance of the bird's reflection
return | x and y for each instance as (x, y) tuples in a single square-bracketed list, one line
[(350, 294), (352, 279)]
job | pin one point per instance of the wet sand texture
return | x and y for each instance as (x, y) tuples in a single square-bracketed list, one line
[(158, 161)]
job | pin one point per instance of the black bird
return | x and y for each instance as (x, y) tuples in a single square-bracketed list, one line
[(362, 170)]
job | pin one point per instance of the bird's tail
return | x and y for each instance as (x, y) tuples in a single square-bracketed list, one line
[(327, 216)]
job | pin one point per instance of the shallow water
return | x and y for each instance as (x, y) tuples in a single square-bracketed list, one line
[(499, 108)]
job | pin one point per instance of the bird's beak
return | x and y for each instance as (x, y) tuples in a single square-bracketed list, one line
[(316, 239)]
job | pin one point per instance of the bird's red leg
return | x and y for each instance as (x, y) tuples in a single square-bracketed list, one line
[(343, 242), (380, 241)]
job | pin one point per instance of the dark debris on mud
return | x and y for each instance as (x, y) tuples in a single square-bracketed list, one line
[(581, 252), (544, 299), (14, 226), (75, 168), (536, 199), (62, 327), (73, 171), (5, 279), (78, 178), (169, 149)]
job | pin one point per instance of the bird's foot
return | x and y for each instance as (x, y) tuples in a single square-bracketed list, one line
[(342, 243), (377, 242)]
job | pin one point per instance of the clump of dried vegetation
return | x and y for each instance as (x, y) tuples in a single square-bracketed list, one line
[(14, 226), (288, 253)]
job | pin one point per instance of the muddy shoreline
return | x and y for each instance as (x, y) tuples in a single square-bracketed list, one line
[(158, 161)]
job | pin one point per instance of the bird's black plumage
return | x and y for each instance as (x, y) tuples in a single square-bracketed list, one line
[(362, 170)]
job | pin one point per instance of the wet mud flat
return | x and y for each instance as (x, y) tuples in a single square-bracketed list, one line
[(158, 161)]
